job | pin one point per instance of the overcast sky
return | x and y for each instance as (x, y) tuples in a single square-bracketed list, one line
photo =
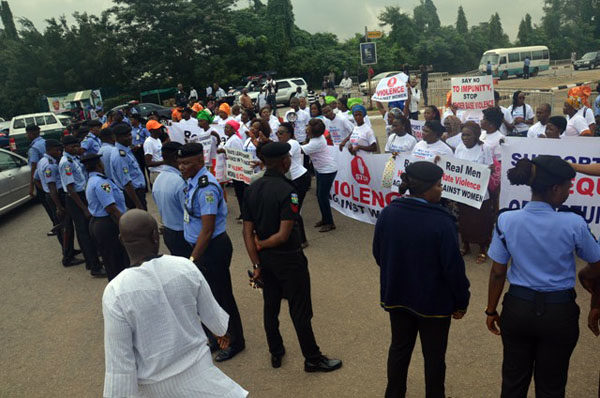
[(342, 17)]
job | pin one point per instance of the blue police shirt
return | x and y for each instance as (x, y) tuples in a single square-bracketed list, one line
[(102, 119), (125, 168), (48, 172), (201, 201), (169, 196), (36, 151), (597, 106), (91, 143), (100, 193), (139, 135), (106, 151), (541, 242), (71, 171)]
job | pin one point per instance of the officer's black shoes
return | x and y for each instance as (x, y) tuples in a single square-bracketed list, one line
[(327, 227), (76, 252), (51, 233), (213, 347), (276, 361), (72, 261), (99, 273), (228, 353), (323, 364), (304, 244)]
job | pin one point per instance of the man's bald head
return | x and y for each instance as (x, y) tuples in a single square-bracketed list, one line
[(139, 234)]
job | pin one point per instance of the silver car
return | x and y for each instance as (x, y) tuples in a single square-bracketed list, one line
[(14, 181)]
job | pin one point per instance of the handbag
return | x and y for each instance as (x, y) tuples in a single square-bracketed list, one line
[(495, 176), (387, 178)]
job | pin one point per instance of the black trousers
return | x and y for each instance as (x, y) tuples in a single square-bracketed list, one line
[(139, 156), (82, 229), (214, 265), (176, 243), (66, 233), (538, 345), (239, 187), (424, 92), (414, 115), (302, 185), (141, 194), (41, 197), (285, 275), (433, 333), (105, 233)]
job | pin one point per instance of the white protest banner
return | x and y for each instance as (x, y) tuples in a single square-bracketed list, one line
[(463, 181), (475, 92), (220, 161), (186, 132), (238, 165), (585, 192), (391, 89), (417, 128), (357, 191)]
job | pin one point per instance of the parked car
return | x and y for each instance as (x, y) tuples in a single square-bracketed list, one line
[(49, 124), (145, 108), (14, 181), (286, 89), (590, 60), (364, 86)]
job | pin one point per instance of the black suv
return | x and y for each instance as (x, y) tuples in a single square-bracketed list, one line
[(589, 60)]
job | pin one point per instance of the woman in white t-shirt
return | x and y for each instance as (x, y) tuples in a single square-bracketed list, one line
[(432, 144), (452, 134), (231, 130), (299, 175), (576, 124), (475, 225), (323, 161), (400, 139), (338, 126), (555, 127), (266, 113), (362, 140), (491, 122), (521, 113)]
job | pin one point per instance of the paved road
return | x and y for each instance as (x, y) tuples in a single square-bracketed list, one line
[(52, 333)]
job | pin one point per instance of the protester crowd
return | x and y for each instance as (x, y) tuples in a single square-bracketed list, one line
[(91, 181)]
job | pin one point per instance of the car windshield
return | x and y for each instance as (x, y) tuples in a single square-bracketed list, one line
[(589, 56), (492, 57)]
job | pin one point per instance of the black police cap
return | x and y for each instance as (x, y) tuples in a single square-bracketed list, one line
[(90, 157), (107, 132), (424, 171), (274, 150), (551, 170), (51, 143), (121, 129), (191, 149), (171, 147), (32, 127), (94, 123), (69, 140)]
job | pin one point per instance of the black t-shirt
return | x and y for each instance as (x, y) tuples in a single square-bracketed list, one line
[(267, 202)]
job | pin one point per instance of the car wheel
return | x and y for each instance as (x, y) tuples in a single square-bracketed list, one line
[(576, 67), (504, 75), (535, 72)]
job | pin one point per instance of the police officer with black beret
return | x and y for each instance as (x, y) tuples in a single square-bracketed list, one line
[(204, 223), (125, 170), (273, 242)]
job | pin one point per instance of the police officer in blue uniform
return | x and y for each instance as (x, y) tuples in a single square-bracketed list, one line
[(106, 204), (91, 143), (139, 134), (204, 219), (169, 196), (107, 136), (539, 324), (35, 152), (55, 197), (125, 170), (74, 179)]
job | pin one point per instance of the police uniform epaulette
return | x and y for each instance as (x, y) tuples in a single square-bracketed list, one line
[(500, 233), (122, 152), (203, 181)]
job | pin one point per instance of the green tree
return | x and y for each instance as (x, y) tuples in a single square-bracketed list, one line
[(10, 30), (462, 26), (525, 35), (280, 15), (426, 17), (496, 35)]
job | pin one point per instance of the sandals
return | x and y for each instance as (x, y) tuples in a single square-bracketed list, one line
[(319, 224), (481, 258), (327, 227)]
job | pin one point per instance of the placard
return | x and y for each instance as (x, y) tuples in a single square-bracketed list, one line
[(417, 128), (476, 92), (463, 181), (585, 192), (238, 165), (391, 88)]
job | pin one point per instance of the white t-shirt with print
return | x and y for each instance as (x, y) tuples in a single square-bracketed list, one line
[(536, 130), (575, 126), (362, 136), (153, 147), (321, 155), (339, 128), (493, 142), (425, 151), (400, 144), (454, 141), (297, 168), (518, 112), (302, 120)]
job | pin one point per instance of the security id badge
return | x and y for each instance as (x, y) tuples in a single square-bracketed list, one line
[(186, 216)]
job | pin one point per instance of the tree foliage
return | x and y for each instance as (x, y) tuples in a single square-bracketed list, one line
[(138, 45)]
